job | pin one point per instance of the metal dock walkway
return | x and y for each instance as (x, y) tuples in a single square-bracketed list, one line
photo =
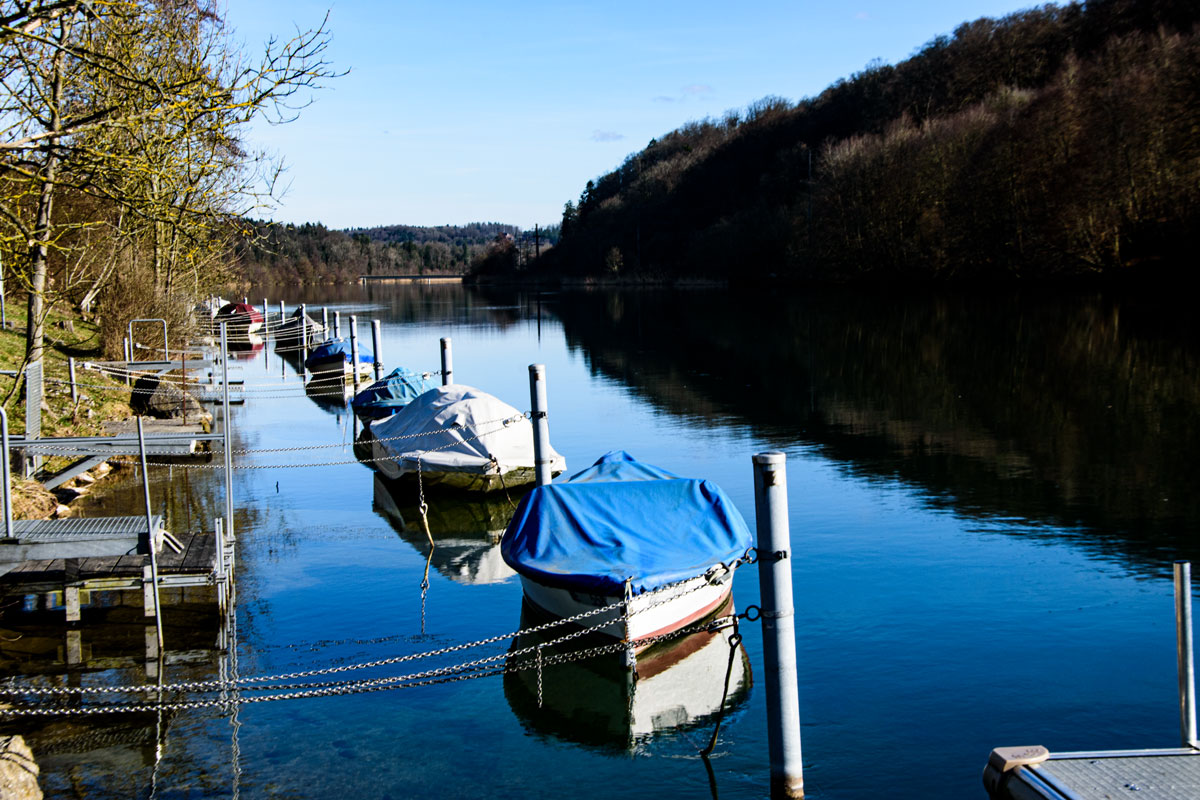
[(1034, 773), (1172, 774)]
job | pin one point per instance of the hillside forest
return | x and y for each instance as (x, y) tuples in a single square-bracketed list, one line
[(1057, 143), (312, 253)]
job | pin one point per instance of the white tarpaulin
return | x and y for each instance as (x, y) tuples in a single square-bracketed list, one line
[(456, 428)]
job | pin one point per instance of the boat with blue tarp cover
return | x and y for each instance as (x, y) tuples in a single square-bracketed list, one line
[(624, 528), (334, 354), (391, 393)]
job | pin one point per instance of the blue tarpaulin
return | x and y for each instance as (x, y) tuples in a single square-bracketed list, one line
[(622, 519), (390, 393), (333, 351)]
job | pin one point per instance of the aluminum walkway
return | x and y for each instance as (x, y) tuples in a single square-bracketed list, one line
[(1172, 774)]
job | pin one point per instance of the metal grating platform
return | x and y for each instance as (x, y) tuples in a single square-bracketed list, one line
[(46, 531), (1142, 774)]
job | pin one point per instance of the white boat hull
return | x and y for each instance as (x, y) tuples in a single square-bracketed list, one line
[(651, 614)]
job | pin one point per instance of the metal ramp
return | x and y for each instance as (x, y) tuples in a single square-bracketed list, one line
[(1172, 774), (48, 539)]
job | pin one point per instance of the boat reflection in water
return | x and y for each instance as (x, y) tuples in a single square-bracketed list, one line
[(329, 391), (246, 346), (594, 701), (466, 530)]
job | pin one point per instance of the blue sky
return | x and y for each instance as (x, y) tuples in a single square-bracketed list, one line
[(457, 112)]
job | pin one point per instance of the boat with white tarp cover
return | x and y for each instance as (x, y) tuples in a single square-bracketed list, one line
[(457, 437)]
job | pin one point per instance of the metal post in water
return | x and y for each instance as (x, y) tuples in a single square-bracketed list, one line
[(541, 427), (779, 631), (281, 312), (447, 362), (228, 437), (7, 475), (337, 324), (325, 321), (1187, 664), (266, 318), (158, 624), (304, 329), (74, 386), (377, 343), (354, 351), (128, 360)]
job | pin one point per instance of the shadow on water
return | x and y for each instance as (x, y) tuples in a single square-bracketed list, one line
[(593, 702), (1080, 412)]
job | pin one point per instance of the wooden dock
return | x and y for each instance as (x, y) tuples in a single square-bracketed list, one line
[(1033, 773)]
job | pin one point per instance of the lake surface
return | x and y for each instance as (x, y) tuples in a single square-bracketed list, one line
[(986, 494)]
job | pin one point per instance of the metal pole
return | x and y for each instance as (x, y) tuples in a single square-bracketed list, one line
[(1187, 665), (447, 362), (779, 631), (228, 439), (266, 318), (354, 351), (377, 343), (158, 625), (128, 361), (325, 321), (281, 312), (8, 512), (337, 324), (541, 428), (304, 328), (74, 386)]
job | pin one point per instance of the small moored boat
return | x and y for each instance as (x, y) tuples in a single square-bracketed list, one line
[(291, 332), (241, 319), (623, 528), (457, 437), (391, 393), (333, 355)]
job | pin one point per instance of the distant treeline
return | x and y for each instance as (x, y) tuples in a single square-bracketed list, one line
[(1053, 143), (312, 253)]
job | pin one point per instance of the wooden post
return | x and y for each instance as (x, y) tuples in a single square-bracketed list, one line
[(447, 362), (71, 601), (541, 428), (779, 631), (74, 647), (377, 343)]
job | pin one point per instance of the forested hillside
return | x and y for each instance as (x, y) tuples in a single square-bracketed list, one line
[(312, 253), (1056, 142)]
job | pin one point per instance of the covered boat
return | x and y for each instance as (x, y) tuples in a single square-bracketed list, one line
[(291, 332), (391, 393), (458, 437), (621, 527), (332, 355), (241, 319)]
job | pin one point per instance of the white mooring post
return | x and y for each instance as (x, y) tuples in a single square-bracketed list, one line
[(158, 620), (377, 343), (779, 631), (304, 330), (6, 474), (1187, 666), (541, 428), (325, 321), (354, 351), (337, 324), (447, 362), (267, 319), (227, 435), (281, 312)]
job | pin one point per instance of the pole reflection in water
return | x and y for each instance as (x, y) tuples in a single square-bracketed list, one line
[(592, 701)]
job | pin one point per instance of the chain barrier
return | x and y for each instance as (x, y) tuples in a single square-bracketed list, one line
[(279, 684)]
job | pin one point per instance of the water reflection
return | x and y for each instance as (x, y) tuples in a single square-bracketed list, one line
[(1082, 412), (466, 531), (594, 702)]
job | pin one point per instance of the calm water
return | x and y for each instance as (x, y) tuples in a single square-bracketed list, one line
[(986, 495)]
